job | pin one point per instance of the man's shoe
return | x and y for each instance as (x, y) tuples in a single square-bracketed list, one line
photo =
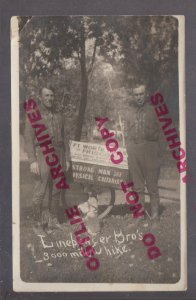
[(155, 222), (54, 224), (38, 228), (136, 222), (154, 201)]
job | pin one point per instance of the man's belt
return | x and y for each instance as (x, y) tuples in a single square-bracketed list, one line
[(144, 141), (55, 144)]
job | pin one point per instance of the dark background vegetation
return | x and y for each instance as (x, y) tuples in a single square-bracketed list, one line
[(94, 61)]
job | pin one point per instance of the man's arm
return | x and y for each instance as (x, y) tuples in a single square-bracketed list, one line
[(161, 138), (29, 137), (66, 145), (67, 148)]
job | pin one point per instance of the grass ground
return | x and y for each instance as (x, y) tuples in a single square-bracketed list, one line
[(121, 252)]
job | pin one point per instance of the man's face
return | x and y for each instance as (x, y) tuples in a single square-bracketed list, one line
[(47, 97), (139, 95)]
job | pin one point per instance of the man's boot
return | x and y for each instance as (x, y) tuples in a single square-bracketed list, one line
[(137, 221), (36, 212), (45, 218), (54, 214), (37, 228), (154, 201)]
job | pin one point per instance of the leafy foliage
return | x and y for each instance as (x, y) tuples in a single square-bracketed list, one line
[(94, 61)]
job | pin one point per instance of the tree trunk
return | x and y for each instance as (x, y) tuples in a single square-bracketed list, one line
[(84, 88)]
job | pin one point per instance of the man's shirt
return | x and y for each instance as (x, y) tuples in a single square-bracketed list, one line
[(54, 123), (141, 124)]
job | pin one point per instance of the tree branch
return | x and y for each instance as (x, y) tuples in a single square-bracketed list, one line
[(93, 58), (79, 56)]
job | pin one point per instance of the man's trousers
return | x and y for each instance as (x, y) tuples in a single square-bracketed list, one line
[(46, 197), (144, 167)]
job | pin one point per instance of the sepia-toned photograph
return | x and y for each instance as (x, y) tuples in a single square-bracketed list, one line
[(99, 153)]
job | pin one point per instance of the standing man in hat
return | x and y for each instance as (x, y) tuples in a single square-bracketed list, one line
[(46, 197), (142, 142)]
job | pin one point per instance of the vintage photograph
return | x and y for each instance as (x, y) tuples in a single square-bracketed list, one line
[(99, 153)]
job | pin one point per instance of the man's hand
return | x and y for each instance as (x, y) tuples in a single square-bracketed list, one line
[(34, 168), (67, 165)]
